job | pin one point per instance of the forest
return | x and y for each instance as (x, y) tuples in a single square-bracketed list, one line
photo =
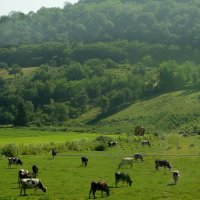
[(104, 54)]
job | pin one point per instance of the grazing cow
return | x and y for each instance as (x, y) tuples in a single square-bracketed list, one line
[(101, 185), (84, 160), (35, 170), (138, 156), (162, 163), (31, 183), (112, 143), (14, 161), (23, 173), (126, 161), (120, 176), (54, 152), (145, 142), (175, 175)]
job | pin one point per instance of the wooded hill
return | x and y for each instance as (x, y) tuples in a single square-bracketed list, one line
[(96, 56)]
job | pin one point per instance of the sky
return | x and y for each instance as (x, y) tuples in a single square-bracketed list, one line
[(25, 6)]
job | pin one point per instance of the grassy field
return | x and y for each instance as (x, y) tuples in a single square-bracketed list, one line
[(66, 179), (175, 111)]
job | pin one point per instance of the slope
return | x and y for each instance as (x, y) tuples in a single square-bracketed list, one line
[(175, 111)]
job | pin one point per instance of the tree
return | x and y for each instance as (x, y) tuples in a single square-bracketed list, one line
[(3, 65), (15, 69), (21, 116), (104, 103)]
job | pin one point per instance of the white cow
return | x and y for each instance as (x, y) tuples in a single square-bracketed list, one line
[(31, 183), (126, 161), (175, 175)]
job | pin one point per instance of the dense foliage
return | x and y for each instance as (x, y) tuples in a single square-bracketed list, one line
[(102, 54)]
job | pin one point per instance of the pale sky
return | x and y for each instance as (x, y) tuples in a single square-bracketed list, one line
[(25, 6)]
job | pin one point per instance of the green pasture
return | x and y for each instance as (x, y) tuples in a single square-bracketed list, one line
[(66, 179), (28, 136)]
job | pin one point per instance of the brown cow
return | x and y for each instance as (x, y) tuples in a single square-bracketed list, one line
[(101, 185)]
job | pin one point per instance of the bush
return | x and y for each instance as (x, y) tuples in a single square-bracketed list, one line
[(103, 139), (100, 147), (9, 150)]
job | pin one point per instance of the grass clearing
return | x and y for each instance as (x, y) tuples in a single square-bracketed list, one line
[(66, 179)]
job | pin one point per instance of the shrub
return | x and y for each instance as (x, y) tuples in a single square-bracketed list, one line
[(100, 147), (9, 150)]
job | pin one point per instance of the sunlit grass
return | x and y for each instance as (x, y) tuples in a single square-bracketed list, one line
[(66, 179)]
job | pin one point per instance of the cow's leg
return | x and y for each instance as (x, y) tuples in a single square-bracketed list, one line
[(91, 191), (116, 183), (25, 192), (94, 191)]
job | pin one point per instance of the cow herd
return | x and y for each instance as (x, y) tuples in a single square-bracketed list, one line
[(26, 179), (29, 179)]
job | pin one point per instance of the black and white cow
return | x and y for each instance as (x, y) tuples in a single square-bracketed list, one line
[(14, 161), (23, 173), (84, 161), (138, 156), (145, 142), (31, 183), (162, 163), (120, 176), (126, 161), (112, 143), (101, 185), (175, 176)]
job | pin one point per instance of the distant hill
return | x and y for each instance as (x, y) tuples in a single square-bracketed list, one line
[(176, 111)]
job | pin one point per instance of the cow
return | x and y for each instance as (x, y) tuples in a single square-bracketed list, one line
[(54, 152), (35, 170), (126, 161), (138, 156), (162, 163), (120, 176), (175, 176), (31, 183), (23, 173), (112, 143), (145, 142), (84, 161), (14, 161), (101, 185)]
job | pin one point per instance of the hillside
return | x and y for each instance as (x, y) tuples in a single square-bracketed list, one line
[(175, 111), (74, 67)]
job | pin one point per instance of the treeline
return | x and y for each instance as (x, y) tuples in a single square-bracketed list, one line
[(122, 30), (52, 95), (123, 51), (165, 22)]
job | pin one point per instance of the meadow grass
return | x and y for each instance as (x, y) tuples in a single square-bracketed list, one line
[(66, 179)]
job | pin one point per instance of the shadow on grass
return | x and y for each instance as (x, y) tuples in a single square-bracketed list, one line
[(171, 184)]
